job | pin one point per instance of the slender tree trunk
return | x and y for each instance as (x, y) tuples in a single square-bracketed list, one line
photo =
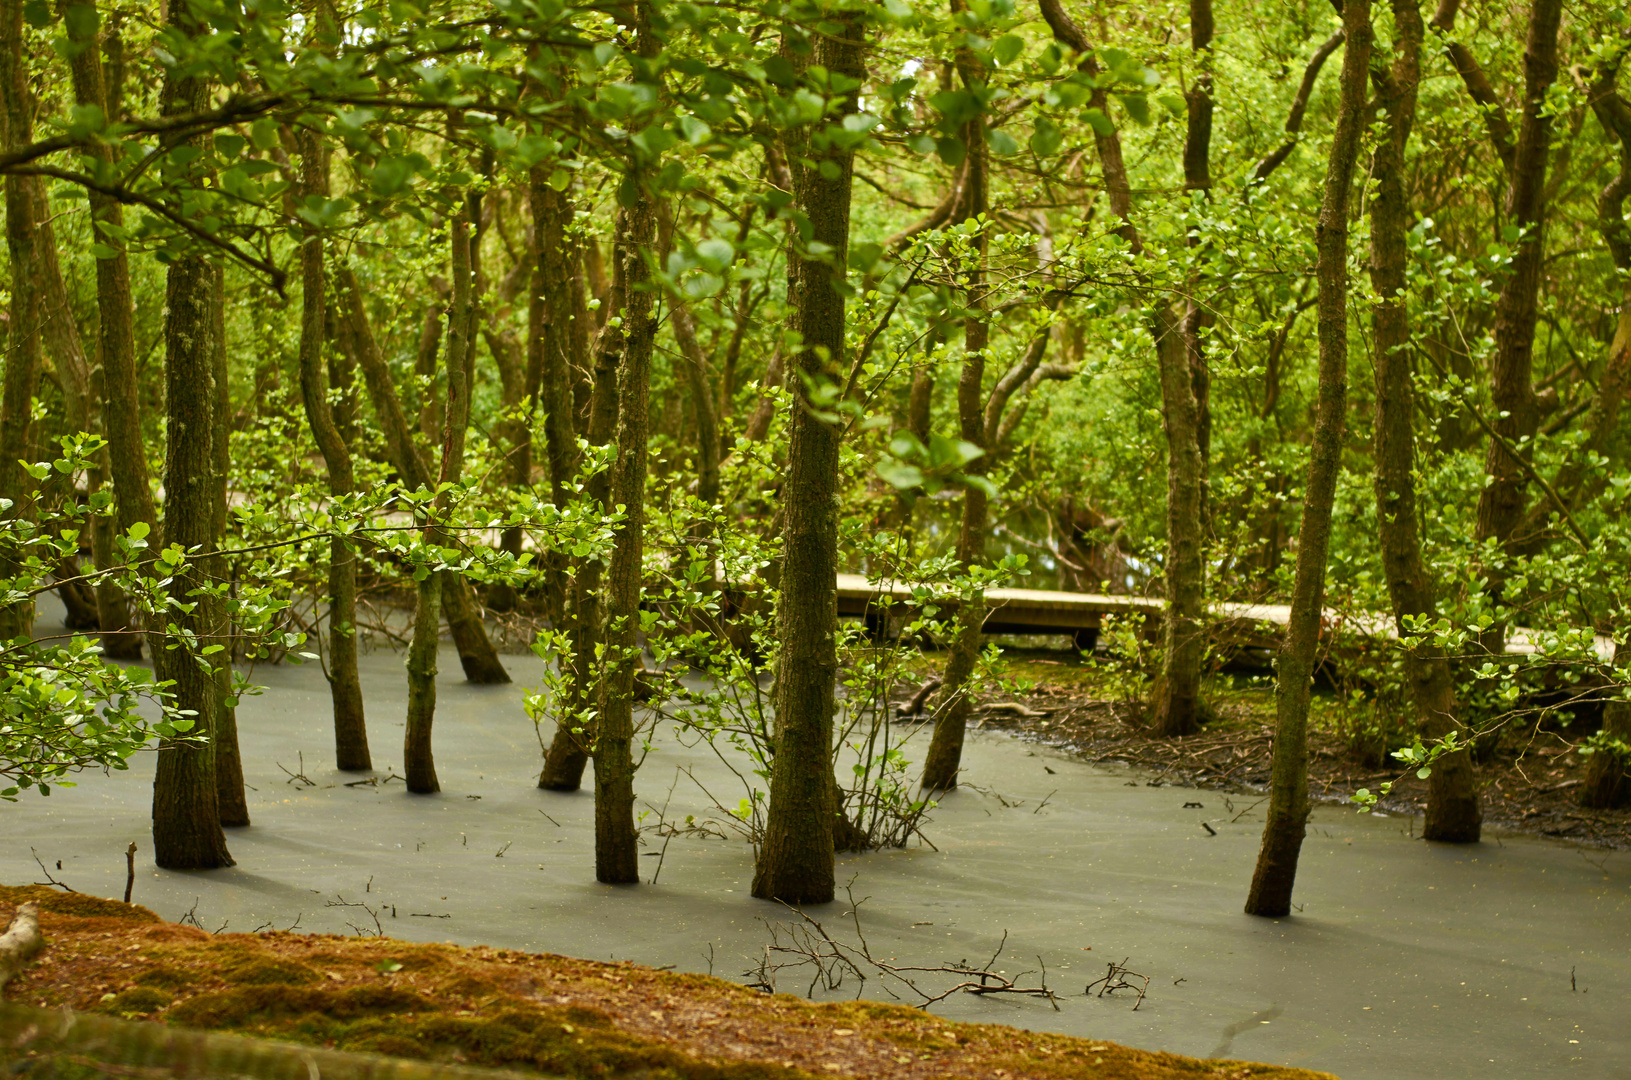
[(1452, 809), (945, 755), (115, 369), (703, 402), (186, 803), (1501, 504), (1180, 351), (229, 768), (22, 360), (1276, 872), (795, 861), (615, 842), (418, 761), (345, 685)]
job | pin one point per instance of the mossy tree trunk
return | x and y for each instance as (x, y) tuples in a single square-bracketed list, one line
[(345, 685), (1276, 872), (1452, 804), (795, 859)]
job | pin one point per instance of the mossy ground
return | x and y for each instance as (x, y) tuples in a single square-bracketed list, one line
[(521, 1011)]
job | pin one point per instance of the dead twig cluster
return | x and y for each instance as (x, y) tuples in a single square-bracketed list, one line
[(1119, 977), (808, 948), (362, 931)]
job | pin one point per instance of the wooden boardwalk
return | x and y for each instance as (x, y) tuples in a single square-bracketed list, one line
[(1080, 615)]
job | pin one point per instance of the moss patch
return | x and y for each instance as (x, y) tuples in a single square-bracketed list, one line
[(526, 1012)]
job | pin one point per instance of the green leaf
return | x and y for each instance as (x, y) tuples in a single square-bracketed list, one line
[(1046, 138), (386, 967), (38, 14), (899, 474), (1137, 106), (716, 254), (952, 151), (1002, 144), (1099, 121), (1007, 48)]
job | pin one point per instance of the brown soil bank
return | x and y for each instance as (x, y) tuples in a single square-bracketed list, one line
[(520, 1011)]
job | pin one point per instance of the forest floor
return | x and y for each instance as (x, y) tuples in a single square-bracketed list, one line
[(1531, 777), (522, 1011)]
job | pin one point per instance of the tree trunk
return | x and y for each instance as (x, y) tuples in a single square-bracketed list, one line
[(1501, 503), (433, 594), (1177, 706), (795, 861), (345, 685), (1452, 810), (113, 377), (945, 755), (229, 769), (22, 359), (1607, 783), (1276, 871), (615, 842), (568, 752)]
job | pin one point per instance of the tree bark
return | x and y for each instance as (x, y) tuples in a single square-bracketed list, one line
[(1501, 504), (1276, 871), (795, 860), (1453, 812), (115, 368), (345, 684)]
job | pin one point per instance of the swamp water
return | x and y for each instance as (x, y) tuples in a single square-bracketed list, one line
[(1406, 960)]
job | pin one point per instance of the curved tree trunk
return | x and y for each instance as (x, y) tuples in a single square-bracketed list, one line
[(1452, 807), (345, 685), (795, 861), (1276, 871)]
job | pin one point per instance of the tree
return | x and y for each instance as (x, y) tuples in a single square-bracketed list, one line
[(795, 861), (1287, 816)]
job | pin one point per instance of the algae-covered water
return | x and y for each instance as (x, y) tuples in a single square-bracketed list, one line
[(1507, 959)]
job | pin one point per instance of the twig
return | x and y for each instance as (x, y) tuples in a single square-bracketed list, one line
[(130, 870), (49, 880), (1117, 978)]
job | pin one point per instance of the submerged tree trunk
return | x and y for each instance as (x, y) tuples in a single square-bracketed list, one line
[(418, 762), (1501, 504), (1276, 871), (114, 372), (229, 768), (186, 802), (795, 860), (944, 758), (1607, 783), (345, 685), (1452, 808)]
